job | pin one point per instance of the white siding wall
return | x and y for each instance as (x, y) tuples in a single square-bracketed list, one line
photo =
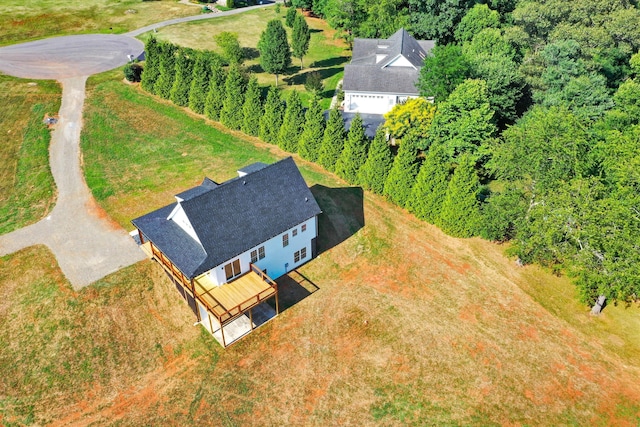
[(400, 61), (278, 260), (179, 217)]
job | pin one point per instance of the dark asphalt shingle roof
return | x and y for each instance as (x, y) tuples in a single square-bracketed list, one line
[(233, 217), (365, 74), (396, 80)]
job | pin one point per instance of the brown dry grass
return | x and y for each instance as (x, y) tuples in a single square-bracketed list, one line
[(22, 20), (408, 326)]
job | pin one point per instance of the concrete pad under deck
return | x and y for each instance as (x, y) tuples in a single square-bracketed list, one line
[(241, 326)]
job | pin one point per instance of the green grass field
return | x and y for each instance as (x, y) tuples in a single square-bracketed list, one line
[(327, 55), (22, 20), (27, 191), (406, 326)]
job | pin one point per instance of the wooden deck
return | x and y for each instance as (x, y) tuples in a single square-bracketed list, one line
[(146, 248), (234, 298)]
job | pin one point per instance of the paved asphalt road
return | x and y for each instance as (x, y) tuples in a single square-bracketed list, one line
[(86, 243), (70, 56)]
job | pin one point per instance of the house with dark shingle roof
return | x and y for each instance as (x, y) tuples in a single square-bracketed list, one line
[(224, 244), (383, 72)]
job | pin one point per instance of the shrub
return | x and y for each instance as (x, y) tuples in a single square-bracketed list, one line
[(133, 72)]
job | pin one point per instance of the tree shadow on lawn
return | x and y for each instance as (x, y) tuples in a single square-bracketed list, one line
[(342, 214), (330, 62), (301, 77)]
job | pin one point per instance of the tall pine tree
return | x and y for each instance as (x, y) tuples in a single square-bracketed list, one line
[(252, 109), (231, 115), (311, 138), (332, 141), (271, 120), (292, 124), (164, 83), (200, 82), (402, 175), (300, 37), (460, 214), (373, 174), (216, 94), (354, 153), (151, 65), (275, 55), (431, 184), (179, 94)]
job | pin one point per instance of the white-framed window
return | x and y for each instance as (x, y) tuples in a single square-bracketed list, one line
[(303, 228), (254, 256), (285, 240), (261, 254), (294, 232), (303, 253)]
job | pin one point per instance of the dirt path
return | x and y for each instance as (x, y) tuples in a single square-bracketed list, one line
[(86, 243)]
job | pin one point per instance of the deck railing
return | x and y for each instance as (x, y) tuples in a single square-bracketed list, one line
[(254, 300)]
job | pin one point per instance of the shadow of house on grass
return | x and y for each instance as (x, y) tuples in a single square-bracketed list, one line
[(342, 216)]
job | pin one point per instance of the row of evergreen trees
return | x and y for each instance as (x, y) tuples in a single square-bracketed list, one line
[(421, 182)]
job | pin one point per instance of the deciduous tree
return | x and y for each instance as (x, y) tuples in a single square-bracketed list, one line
[(275, 55), (464, 122), (300, 38), (444, 68), (412, 117), (290, 17), (230, 46)]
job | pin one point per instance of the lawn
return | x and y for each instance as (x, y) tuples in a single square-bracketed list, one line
[(406, 325), (327, 54), (22, 20), (27, 191)]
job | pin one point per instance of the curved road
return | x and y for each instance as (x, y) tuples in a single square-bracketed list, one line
[(87, 245)]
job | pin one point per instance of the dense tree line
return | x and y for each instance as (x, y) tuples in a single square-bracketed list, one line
[(532, 138)]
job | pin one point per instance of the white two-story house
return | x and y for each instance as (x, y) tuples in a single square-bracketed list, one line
[(223, 244), (383, 72)]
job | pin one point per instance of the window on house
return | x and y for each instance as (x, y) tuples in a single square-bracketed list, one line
[(294, 233), (254, 257), (285, 239), (303, 253), (261, 252), (232, 269), (296, 256), (304, 227)]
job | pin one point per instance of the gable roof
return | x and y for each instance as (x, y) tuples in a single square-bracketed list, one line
[(371, 67), (232, 217)]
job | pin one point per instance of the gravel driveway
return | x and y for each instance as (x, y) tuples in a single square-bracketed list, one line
[(86, 243)]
